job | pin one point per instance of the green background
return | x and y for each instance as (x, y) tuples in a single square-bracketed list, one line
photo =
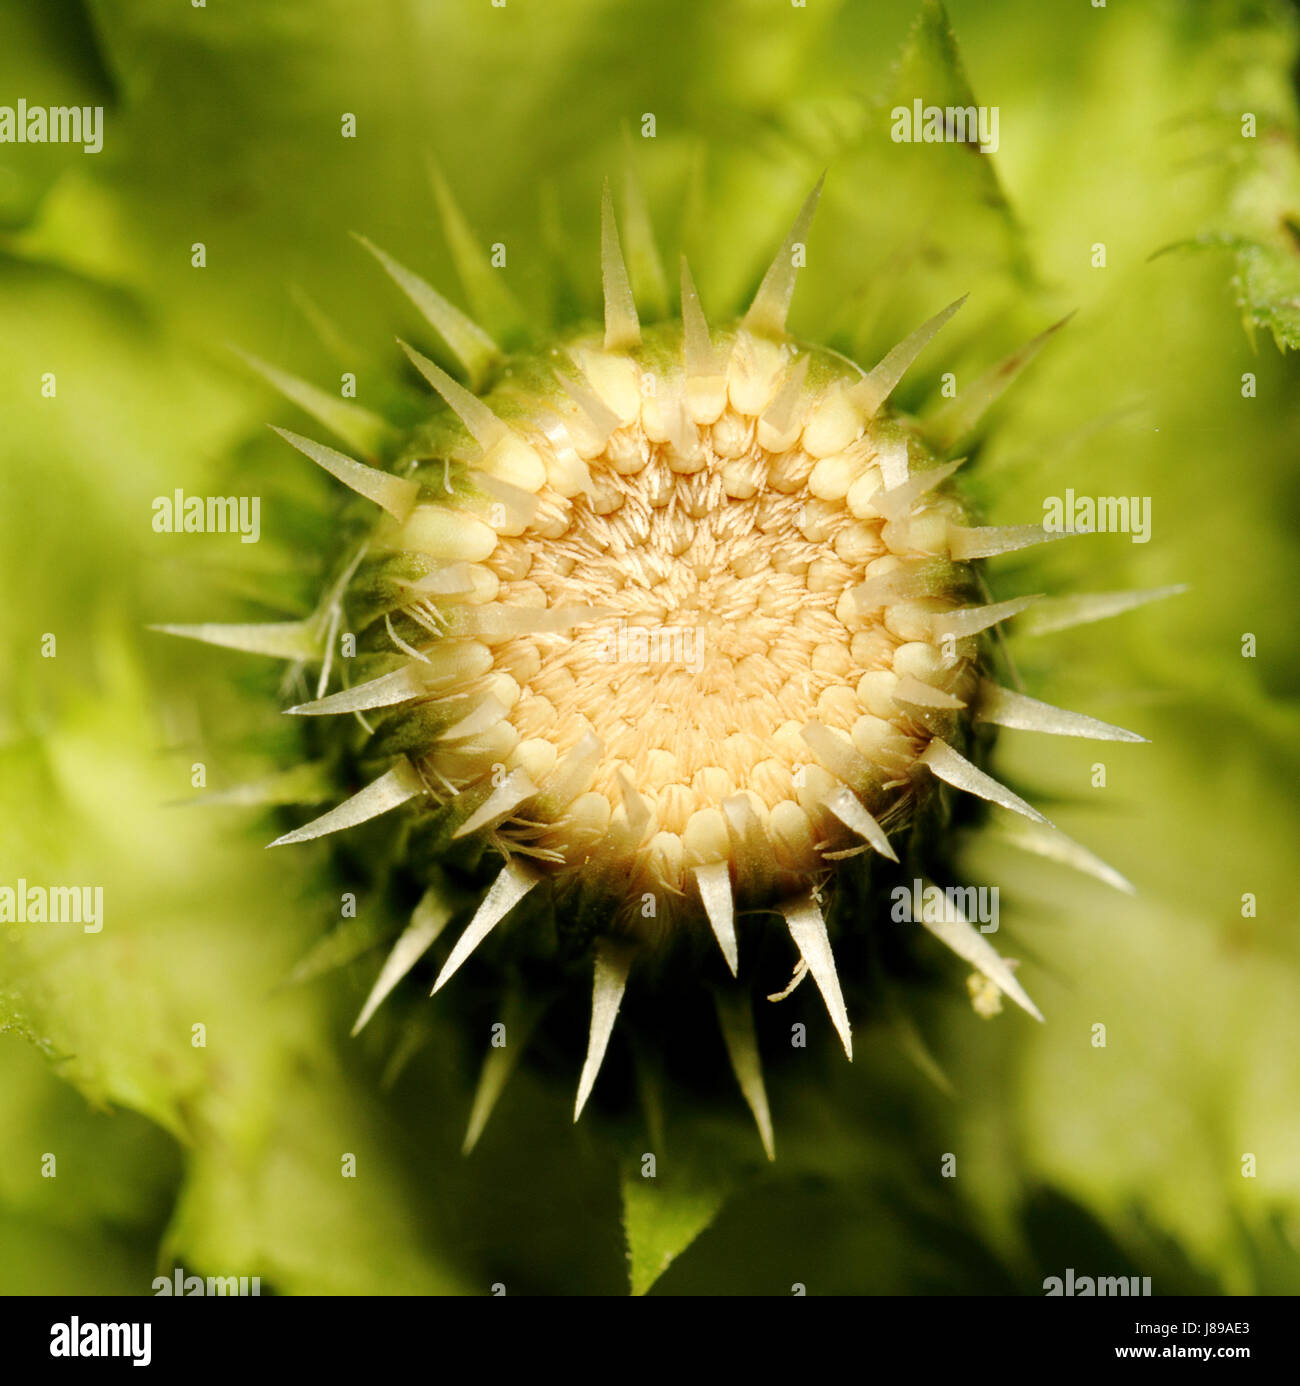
[(1119, 125)]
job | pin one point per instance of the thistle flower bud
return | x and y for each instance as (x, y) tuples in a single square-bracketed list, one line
[(679, 624)]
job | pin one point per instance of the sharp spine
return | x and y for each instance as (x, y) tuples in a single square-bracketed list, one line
[(767, 313), (807, 927), (311, 782), (386, 691), (394, 494), (877, 591), (751, 850), (986, 541), (454, 580), (714, 882), (519, 1017), (514, 790), (483, 285), (642, 252), (780, 414), (330, 336), (622, 326), (970, 620), (836, 753), (1005, 708), (954, 769), (487, 712), (958, 933), (635, 808), (849, 809), (1063, 613), (912, 690), (429, 918), (1053, 845), (601, 417), (394, 787), (353, 423), (736, 1020), (476, 352), (483, 425), (501, 445), (895, 503), (613, 963), (957, 420), (571, 775), (698, 352), (297, 640), (509, 888), (878, 384)]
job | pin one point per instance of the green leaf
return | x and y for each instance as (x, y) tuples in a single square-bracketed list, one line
[(1268, 289), (663, 1213), (1120, 126)]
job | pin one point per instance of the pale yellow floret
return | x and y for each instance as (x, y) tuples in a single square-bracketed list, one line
[(707, 592)]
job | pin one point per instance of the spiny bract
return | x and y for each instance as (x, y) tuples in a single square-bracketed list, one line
[(682, 624)]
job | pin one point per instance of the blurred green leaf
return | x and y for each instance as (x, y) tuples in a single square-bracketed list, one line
[(663, 1213), (1119, 126)]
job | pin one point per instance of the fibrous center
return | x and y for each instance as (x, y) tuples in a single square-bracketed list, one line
[(721, 607)]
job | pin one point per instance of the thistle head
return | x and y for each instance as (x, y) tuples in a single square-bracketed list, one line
[(681, 625)]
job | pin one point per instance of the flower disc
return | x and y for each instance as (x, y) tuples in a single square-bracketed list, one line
[(702, 614)]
